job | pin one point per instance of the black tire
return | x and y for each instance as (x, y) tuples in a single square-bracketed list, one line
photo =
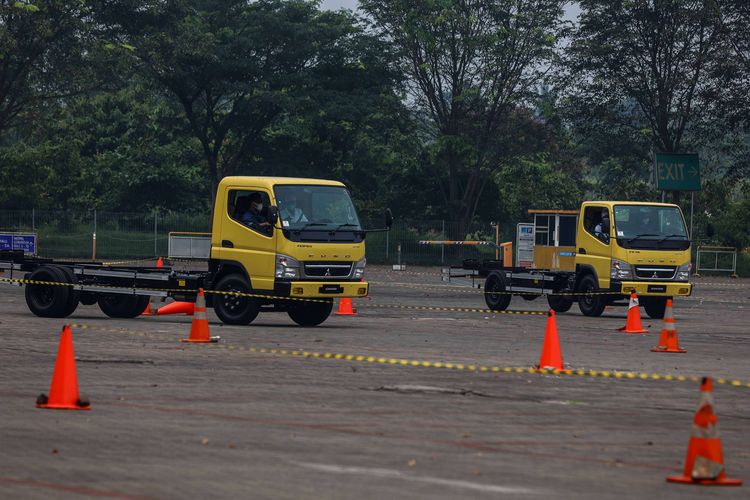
[(655, 306), (310, 313), (88, 298), (75, 295), (590, 304), (234, 309), (559, 303), (48, 301), (117, 305), (496, 301)]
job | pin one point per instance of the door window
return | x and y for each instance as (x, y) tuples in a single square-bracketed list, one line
[(250, 208), (596, 222)]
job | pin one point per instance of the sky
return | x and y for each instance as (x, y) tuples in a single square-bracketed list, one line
[(571, 10)]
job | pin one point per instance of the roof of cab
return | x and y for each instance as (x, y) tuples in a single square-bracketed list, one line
[(612, 203), (262, 181)]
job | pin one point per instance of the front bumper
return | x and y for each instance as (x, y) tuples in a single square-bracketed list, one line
[(655, 288), (322, 289)]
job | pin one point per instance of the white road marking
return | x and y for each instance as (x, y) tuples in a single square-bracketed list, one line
[(395, 474)]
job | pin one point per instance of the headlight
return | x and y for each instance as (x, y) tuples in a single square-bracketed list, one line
[(620, 270), (286, 267), (359, 268), (683, 273)]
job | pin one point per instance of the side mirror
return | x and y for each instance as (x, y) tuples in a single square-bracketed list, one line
[(273, 214), (388, 218)]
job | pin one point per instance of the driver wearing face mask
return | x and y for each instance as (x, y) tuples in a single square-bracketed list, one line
[(290, 212), (253, 215)]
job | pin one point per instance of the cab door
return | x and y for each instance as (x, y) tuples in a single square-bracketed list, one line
[(595, 247), (249, 244)]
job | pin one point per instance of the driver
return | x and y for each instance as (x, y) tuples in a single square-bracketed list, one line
[(601, 230), (289, 211)]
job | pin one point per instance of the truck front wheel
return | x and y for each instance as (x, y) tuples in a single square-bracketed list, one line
[(589, 302), (232, 308), (655, 306), (310, 313)]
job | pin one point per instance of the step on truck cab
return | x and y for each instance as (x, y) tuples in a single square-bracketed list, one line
[(294, 244)]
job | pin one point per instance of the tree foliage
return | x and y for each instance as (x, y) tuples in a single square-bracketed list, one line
[(470, 64), (42, 54)]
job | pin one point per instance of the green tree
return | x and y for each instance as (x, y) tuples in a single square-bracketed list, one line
[(43, 46), (233, 66), (648, 63), (470, 63)]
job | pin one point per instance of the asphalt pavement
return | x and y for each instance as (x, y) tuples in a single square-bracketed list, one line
[(418, 396)]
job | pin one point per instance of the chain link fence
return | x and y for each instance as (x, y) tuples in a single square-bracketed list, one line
[(119, 236)]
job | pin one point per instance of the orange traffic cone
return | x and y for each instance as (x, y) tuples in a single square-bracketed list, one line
[(551, 355), (668, 341), (147, 311), (159, 263), (177, 308), (346, 308), (63, 392), (704, 463), (633, 324), (199, 331)]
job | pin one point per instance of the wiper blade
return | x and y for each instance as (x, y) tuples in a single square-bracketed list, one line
[(672, 236), (311, 224), (345, 225), (638, 236)]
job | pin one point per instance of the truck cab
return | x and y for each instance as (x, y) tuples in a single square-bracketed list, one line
[(623, 247), (286, 244)]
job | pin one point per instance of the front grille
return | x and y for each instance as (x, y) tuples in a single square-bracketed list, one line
[(655, 272), (328, 270)]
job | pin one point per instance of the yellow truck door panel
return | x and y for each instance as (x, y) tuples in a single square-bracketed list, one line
[(250, 243), (594, 245)]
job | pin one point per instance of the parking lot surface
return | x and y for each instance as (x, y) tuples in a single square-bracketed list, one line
[(365, 407)]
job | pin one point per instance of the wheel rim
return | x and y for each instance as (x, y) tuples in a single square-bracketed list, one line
[(233, 302), (494, 286), (45, 295), (588, 298)]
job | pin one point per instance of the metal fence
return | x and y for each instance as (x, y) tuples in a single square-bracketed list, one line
[(70, 234), (716, 259)]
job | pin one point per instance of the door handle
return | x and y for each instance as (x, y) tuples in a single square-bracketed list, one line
[(582, 251), (227, 244)]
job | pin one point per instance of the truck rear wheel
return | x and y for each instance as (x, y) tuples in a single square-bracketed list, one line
[(559, 303), (235, 309), (655, 306), (589, 302), (310, 313), (75, 295), (494, 292), (49, 301), (117, 305)]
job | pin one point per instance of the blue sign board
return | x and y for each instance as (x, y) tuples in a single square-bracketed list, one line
[(18, 241)]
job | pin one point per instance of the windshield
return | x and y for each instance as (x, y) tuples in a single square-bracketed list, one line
[(316, 211), (650, 226)]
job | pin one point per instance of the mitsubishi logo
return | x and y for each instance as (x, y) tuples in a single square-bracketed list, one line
[(655, 275), (328, 272)]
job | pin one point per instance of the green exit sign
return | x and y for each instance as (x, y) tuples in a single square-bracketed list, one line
[(678, 172)]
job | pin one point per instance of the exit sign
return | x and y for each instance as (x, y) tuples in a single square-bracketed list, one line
[(678, 172)]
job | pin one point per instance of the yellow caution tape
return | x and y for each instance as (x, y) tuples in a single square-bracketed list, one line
[(484, 292), (467, 367)]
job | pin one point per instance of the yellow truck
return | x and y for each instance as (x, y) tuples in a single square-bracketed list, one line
[(277, 244), (598, 256)]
